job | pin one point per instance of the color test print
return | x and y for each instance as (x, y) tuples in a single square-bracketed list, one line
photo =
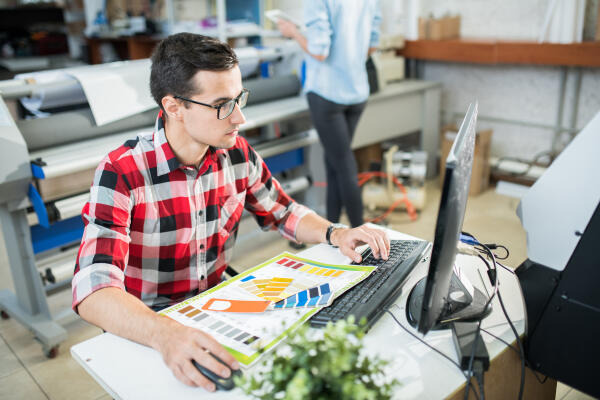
[(249, 335), (310, 269), (274, 289), (313, 297), (220, 326)]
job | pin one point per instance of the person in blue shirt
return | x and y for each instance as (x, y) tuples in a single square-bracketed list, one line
[(338, 38)]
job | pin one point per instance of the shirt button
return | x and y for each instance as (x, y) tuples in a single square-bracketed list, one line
[(201, 277), (200, 213), (201, 246)]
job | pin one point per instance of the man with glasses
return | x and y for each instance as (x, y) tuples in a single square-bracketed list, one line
[(164, 209)]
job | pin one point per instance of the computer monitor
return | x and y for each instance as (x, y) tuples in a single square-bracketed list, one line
[(442, 297)]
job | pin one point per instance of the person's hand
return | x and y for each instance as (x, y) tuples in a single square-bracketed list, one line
[(349, 239), (179, 344), (287, 28)]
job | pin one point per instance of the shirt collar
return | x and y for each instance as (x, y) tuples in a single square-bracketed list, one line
[(166, 161)]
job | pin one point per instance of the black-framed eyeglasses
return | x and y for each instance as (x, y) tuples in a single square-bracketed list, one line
[(225, 109)]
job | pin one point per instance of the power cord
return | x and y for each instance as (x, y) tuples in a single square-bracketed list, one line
[(431, 347), (485, 249), (540, 380), (478, 370), (363, 177)]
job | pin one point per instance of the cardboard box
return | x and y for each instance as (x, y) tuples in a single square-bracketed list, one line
[(598, 24), (440, 28), (480, 175)]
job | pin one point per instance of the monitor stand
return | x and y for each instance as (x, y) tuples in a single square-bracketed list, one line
[(460, 304)]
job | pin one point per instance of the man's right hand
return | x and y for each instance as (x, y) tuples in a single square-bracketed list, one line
[(122, 314), (179, 344)]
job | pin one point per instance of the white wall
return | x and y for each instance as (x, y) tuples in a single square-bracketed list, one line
[(515, 92)]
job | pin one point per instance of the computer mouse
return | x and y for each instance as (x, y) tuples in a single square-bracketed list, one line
[(220, 382)]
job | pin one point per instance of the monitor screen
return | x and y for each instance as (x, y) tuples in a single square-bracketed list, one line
[(453, 203)]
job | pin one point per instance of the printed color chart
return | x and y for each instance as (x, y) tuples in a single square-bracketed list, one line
[(300, 285)]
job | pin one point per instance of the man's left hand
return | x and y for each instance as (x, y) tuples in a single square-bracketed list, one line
[(348, 240)]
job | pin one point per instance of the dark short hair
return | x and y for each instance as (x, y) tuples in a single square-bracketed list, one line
[(177, 58)]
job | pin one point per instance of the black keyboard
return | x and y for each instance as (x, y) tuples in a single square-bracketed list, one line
[(372, 296)]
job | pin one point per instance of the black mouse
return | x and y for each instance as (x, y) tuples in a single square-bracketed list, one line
[(220, 382)]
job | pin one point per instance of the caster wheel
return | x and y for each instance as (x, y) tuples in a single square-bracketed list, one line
[(4, 315), (52, 353)]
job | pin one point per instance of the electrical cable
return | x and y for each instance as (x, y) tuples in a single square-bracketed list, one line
[(493, 275), (364, 177), (430, 346), (494, 246), (540, 380), (469, 239), (519, 343), (478, 371), (512, 327), (471, 366)]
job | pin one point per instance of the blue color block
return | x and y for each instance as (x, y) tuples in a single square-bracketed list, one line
[(291, 301), (302, 298), (325, 299), (313, 302), (279, 304), (325, 288), (249, 277)]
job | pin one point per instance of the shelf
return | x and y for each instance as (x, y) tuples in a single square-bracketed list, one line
[(586, 54)]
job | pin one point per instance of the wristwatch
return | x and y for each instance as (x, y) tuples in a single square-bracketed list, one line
[(330, 230)]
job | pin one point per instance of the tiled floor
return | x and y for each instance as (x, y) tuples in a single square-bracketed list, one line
[(25, 373)]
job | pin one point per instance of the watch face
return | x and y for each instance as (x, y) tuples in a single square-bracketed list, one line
[(332, 228)]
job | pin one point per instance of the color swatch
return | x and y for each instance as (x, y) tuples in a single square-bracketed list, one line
[(313, 297), (310, 269), (214, 324), (273, 289), (237, 306)]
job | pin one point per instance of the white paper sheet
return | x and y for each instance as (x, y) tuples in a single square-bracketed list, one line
[(116, 90), (70, 93)]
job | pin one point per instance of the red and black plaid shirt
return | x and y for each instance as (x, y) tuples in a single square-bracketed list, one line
[(163, 231)]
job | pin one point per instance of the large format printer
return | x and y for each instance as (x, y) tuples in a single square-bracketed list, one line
[(47, 163)]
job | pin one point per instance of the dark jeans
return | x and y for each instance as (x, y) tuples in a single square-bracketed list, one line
[(335, 124)]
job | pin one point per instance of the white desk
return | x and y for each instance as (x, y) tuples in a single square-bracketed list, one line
[(127, 370)]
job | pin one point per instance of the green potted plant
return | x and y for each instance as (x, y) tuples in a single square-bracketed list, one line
[(324, 364)]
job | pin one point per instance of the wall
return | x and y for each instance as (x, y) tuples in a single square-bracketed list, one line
[(518, 93)]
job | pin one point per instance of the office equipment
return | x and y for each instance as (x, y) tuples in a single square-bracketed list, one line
[(442, 297), (422, 372), (407, 168), (561, 215), (220, 382), (371, 297)]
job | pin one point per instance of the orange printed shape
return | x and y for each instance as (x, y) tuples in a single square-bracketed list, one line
[(237, 306)]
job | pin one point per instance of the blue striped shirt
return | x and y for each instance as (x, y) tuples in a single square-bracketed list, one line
[(343, 30)]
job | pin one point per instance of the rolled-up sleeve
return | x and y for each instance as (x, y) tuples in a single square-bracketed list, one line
[(266, 200), (375, 26), (104, 249), (318, 27)]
